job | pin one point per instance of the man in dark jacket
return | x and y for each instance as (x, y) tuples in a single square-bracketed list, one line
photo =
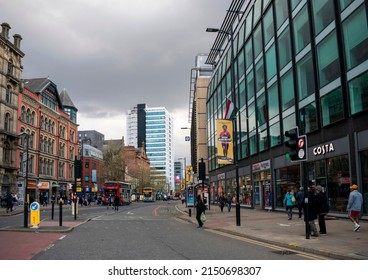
[(323, 209), (312, 210), (116, 202), (200, 207), (300, 201)]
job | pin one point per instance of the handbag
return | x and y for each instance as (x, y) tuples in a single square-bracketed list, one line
[(293, 200), (203, 218)]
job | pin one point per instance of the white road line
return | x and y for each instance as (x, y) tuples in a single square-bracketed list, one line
[(62, 237)]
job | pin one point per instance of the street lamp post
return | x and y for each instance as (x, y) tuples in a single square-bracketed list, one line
[(25, 175), (235, 129)]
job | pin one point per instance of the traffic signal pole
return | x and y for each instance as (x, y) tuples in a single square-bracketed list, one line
[(298, 153)]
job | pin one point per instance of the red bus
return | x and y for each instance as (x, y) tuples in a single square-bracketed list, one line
[(115, 188)]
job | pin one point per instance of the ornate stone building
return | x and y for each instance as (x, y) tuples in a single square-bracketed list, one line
[(10, 87)]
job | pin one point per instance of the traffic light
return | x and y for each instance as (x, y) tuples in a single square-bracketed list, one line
[(292, 143), (297, 145)]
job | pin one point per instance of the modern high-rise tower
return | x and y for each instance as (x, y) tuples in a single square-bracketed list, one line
[(153, 128)]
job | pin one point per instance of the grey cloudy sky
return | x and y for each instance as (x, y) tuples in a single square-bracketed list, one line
[(113, 54)]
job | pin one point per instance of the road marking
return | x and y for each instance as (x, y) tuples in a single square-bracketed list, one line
[(267, 245), (155, 211), (49, 247), (62, 237)]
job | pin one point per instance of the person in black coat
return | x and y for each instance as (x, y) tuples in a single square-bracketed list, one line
[(222, 202), (200, 207), (312, 210), (323, 209), (300, 201), (116, 202)]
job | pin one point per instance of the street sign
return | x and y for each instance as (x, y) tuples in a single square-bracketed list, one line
[(35, 214)]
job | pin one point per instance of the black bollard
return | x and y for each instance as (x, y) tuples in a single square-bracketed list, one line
[(190, 212), (52, 210), (61, 214)]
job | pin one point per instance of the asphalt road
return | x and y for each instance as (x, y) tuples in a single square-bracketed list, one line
[(150, 231)]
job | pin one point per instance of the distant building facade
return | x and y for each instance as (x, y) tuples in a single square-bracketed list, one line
[(136, 126), (10, 88), (92, 137), (53, 141), (92, 171)]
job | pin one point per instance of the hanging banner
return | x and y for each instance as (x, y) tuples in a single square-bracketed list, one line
[(225, 151)]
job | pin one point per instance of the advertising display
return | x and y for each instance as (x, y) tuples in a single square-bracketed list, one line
[(225, 154)]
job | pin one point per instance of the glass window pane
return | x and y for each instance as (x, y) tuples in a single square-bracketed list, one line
[(273, 101), (288, 122), (358, 94), (242, 94), (250, 85), (281, 12), (305, 75), (263, 140), (287, 90), (241, 36), (248, 53), (308, 117), (259, 75), (261, 110), (284, 48), (275, 137), (252, 117), (323, 14), (248, 26), (258, 42), (345, 3), (269, 31), (332, 107), (294, 3), (257, 11), (271, 62), (241, 65), (328, 60), (356, 42), (301, 29), (265, 3)]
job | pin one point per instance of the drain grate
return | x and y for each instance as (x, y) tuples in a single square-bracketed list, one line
[(284, 252)]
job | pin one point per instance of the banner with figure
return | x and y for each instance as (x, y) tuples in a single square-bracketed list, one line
[(224, 137)]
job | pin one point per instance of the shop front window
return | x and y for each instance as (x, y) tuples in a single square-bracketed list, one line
[(246, 194), (338, 182), (286, 177)]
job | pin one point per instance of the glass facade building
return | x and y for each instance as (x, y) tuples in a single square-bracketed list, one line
[(296, 63), (159, 145)]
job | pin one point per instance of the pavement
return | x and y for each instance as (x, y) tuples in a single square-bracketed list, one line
[(272, 227)]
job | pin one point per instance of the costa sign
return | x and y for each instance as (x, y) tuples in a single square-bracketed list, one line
[(324, 149)]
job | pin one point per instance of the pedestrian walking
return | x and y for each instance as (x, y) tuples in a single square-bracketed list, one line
[(354, 206), (200, 207), (312, 211), (288, 202), (300, 201), (9, 203), (116, 203), (229, 199), (323, 209), (222, 202)]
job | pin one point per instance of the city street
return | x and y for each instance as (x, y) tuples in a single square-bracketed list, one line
[(151, 231)]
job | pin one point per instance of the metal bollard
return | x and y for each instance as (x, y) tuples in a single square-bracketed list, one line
[(52, 210), (61, 214), (190, 212)]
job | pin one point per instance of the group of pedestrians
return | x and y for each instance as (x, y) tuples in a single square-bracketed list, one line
[(225, 201), (318, 207)]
